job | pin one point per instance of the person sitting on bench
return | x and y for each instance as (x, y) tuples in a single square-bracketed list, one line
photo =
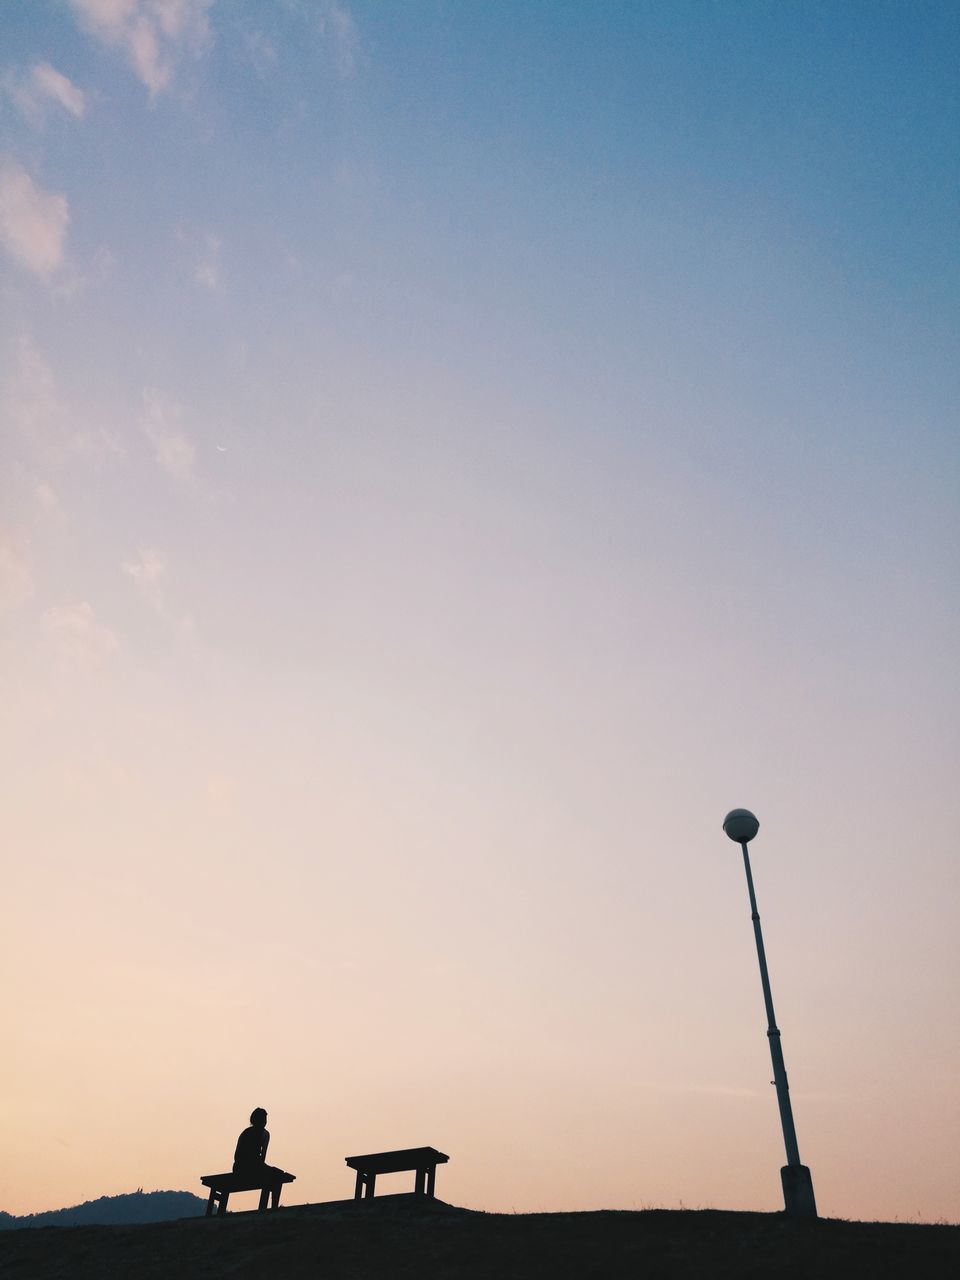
[(249, 1159), (250, 1170)]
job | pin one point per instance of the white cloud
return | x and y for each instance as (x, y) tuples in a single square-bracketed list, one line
[(16, 581), (73, 280), (53, 84), (31, 401), (174, 451), (33, 222), (337, 21), (260, 51), (46, 496), (207, 270), (48, 502), (42, 85), (150, 33), (33, 405), (75, 633), (147, 571)]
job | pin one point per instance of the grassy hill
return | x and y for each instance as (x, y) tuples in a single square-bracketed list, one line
[(398, 1237)]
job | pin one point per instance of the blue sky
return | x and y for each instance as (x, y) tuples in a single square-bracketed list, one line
[(464, 449)]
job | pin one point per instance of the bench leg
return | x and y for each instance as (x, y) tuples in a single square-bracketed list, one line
[(418, 1185), (222, 1209), (359, 1191), (264, 1197), (371, 1185), (275, 1196), (431, 1179), (211, 1201)]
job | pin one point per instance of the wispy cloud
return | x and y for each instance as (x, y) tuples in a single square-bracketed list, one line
[(260, 50), (48, 504), (33, 405), (203, 257), (207, 271), (147, 570), (75, 633), (174, 451), (33, 222), (31, 401), (337, 22), (152, 34), (16, 580), (47, 499), (41, 87)]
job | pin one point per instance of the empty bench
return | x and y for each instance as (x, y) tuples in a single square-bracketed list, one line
[(223, 1184), (421, 1160)]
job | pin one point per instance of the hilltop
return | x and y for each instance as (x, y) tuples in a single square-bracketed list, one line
[(398, 1236)]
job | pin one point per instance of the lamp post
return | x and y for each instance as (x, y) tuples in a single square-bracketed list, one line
[(741, 826)]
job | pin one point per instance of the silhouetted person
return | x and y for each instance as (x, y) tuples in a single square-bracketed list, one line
[(249, 1157)]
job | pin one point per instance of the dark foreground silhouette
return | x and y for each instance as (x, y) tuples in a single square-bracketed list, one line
[(407, 1236), (250, 1169)]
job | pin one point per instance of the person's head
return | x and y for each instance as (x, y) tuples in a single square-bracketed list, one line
[(258, 1118)]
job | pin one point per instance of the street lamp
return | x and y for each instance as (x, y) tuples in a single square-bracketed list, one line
[(741, 826)]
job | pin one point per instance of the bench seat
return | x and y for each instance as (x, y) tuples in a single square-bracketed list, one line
[(223, 1184), (422, 1160)]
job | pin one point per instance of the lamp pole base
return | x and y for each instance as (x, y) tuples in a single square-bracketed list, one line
[(798, 1198)]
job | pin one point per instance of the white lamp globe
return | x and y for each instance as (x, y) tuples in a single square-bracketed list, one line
[(740, 825)]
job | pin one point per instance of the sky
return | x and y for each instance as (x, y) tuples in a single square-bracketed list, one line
[(452, 453)]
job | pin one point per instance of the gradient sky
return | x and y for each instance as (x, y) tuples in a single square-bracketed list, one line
[(452, 453)]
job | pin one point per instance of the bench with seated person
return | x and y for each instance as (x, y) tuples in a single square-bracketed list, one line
[(250, 1170)]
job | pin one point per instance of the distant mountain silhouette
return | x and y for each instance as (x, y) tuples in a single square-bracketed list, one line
[(138, 1206)]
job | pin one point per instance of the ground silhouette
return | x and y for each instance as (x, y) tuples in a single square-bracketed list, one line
[(407, 1236)]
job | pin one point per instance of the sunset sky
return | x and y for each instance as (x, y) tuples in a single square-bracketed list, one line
[(453, 452)]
